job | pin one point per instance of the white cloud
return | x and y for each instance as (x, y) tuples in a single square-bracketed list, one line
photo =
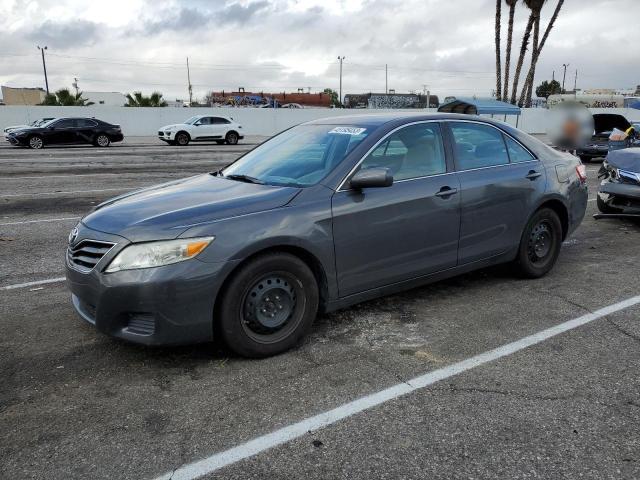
[(289, 44)]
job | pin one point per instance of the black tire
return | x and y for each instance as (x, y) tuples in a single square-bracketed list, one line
[(182, 139), (540, 244), (268, 306), (102, 140), (604, 208), (231, 138), (36, 142)]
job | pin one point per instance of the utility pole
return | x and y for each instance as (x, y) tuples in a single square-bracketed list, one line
[(340, 98), (386, 79), (575, 84), (75, 86), (189, 83), (44, 67), (553, 76), (564, 75)]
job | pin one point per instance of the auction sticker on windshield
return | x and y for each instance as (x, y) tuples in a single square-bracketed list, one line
[(348, 130)]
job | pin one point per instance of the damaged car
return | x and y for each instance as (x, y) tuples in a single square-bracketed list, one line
[(619, 191)]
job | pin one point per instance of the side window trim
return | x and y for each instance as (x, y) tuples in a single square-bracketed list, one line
[(509, 137), (385, 138), (451, 144)]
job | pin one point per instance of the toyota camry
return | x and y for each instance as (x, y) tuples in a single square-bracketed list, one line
[(324, 215)]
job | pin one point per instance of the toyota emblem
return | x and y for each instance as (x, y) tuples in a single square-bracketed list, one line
[(73, 235)]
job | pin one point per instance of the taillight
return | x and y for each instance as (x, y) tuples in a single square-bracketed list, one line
[(581, 170)]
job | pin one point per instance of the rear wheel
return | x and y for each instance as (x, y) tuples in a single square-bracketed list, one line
[(231, 138), (36, 142), (268, 306), (182, 139), (102, 140), (540, 244)]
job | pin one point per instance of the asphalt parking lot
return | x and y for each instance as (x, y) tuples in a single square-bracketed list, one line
[(78, 404)]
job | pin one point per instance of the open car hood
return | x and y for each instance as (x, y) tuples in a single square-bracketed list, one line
[(605, 122)]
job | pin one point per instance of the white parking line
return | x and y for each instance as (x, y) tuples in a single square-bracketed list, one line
[(40, 221), (31, 284), (65, 192), (299, 429)]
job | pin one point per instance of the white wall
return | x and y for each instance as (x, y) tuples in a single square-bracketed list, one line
[(255, 121)]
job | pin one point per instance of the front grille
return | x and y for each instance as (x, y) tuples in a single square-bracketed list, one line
[(87, 253), (141, 324)]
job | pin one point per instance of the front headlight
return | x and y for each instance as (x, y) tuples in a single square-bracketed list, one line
[(156, 254)]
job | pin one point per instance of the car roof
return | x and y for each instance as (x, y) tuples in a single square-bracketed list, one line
[(377, 119)]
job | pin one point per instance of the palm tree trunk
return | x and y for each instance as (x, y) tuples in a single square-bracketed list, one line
[(507, 61), (498, 62), (532, 68), (523, 52), (524, 101)]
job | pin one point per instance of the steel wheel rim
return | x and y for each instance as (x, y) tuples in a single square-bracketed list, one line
[(541, 242), (103, 141), (182, 139), (272, 307), (35, 142)]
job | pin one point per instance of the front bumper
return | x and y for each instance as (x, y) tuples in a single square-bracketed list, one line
[(169, 305), (16, 140), (166, 135), (593, 151), (624, 197)]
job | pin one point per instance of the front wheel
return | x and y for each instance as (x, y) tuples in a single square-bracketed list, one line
[(182, 139), (102, 140), (268, 306), (540, 244), (36, 142), (231, 138)]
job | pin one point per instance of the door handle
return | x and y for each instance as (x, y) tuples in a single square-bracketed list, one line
[(532, 175), (446, 192)]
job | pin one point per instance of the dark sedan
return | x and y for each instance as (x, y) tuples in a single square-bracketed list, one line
[(67, 131), (321, 216)]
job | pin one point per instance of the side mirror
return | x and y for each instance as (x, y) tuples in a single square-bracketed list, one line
[(372, 178)]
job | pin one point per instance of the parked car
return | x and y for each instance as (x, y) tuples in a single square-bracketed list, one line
[(67, 131), (202, 128), (598, 146), (292, 105), (619, 191), (36, 123), (322, 216)]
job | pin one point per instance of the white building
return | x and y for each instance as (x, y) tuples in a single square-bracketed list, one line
[(108, 99)]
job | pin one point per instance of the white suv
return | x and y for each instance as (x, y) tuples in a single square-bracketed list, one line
[(202, 128)]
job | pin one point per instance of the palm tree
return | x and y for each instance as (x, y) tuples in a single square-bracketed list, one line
[(507, 61), (536, 7), (139, 100), (498, 62), (523, 52), (528, 85), (65, 98)]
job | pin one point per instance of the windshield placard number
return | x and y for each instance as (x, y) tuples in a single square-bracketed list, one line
[(348, 130)]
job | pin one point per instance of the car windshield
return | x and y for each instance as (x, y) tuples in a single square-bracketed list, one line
[(43, 122), (192, 120), (298, 157)]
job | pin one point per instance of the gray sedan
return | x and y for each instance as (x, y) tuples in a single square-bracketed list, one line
[(322, 216)]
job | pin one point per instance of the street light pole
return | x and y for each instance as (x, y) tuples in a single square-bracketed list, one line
[(44, 67), (564, 75), (341, 59)]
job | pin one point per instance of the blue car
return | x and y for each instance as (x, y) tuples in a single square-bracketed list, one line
[(322, 216)]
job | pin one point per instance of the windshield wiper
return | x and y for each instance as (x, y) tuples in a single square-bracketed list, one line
[(244, 178)]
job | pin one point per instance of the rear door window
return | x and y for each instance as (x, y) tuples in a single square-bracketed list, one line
[(517, 153), (478, 146)]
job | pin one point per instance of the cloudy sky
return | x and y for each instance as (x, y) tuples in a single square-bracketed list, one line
[(276, 45)]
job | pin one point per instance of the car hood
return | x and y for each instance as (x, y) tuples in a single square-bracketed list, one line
[(606, 122), (625, 159), (165, 211), (175, 125)]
